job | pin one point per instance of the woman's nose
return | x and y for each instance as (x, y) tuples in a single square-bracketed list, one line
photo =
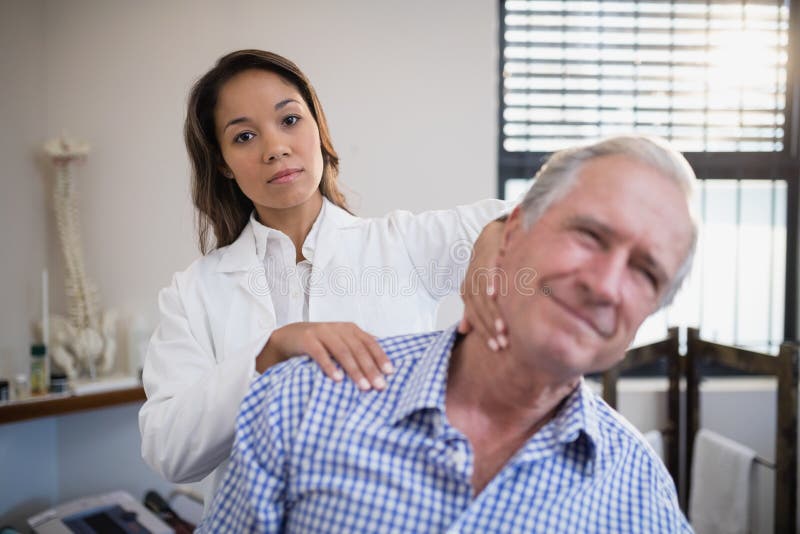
[(275, 147)]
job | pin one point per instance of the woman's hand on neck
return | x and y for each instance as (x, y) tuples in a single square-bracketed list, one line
[(295, 221)]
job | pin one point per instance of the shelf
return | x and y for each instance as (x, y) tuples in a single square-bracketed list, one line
[(56, 404)]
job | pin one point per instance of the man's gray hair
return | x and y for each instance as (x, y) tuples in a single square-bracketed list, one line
[(557, 177)]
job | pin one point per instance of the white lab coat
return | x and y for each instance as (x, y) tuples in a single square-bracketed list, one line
[(384, 274)]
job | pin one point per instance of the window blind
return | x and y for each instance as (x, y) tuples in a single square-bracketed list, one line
[(710, 76)]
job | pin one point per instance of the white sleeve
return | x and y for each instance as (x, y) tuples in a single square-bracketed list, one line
[(439, 243), (188, 421)]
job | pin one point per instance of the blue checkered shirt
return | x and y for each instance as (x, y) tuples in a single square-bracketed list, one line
[(312, 455)]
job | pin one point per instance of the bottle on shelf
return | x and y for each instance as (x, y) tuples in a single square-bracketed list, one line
[(21, 388), (39, 372)]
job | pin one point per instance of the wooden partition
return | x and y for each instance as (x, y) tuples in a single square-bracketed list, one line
[(784, 368)]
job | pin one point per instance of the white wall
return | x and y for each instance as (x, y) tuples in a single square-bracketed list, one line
[(27, 451), (23, 208)]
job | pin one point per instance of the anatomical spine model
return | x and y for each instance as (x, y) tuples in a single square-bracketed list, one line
[(85, 340)]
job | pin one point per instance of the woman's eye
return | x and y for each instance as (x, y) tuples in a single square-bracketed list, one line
[(243, 137), (291, 120)]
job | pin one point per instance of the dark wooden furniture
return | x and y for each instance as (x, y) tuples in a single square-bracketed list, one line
[(784, 368), (58, 405)]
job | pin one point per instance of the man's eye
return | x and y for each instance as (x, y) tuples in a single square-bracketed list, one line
[(291, 120), (649, 276), (589, 234), (243, 137)]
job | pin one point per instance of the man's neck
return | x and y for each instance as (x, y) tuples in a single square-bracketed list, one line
[(497, 403), (500, 385)]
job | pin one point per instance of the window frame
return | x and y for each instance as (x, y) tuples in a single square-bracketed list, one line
[(784, 165)]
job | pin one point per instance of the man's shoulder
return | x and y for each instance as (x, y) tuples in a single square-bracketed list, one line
[(614, 423), (303, 368), (282, 386), (623, 439), (637, 467), (295, 380), (408, 346)]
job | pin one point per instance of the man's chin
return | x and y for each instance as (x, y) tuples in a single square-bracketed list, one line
[(572, 356)]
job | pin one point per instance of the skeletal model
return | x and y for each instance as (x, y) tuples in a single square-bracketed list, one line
[(84, 340)]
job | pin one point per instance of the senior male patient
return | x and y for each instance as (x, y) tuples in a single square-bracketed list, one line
[(470, 440)]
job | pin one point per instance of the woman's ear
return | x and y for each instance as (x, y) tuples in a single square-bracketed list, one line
[(226, 172)]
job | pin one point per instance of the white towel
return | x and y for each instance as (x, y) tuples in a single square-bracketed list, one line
[(719, 502), (656, 441)]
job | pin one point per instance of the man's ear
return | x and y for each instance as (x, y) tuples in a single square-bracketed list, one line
[(513, 227)]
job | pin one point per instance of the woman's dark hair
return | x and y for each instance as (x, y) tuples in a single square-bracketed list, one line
[(220, 203)]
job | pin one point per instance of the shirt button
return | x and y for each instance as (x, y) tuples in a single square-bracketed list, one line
[(295, 294)]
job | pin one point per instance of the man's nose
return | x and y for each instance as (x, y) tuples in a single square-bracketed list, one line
[(275, 146), (602, 277)]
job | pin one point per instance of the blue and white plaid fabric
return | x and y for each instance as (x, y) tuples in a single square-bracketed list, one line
[(315, 456)]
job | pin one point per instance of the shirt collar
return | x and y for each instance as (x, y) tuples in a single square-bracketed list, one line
[(310, 244), (425, 388), (578, 415), (576, 424), (262, 233)]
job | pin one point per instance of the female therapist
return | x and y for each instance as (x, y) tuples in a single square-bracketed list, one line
[(292, 271)]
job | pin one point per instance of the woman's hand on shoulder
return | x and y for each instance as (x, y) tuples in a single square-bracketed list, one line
[(357, 352), (480, 287)]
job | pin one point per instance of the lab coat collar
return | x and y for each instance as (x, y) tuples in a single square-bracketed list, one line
[(332, 220), (336, 216), (242, 254)]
